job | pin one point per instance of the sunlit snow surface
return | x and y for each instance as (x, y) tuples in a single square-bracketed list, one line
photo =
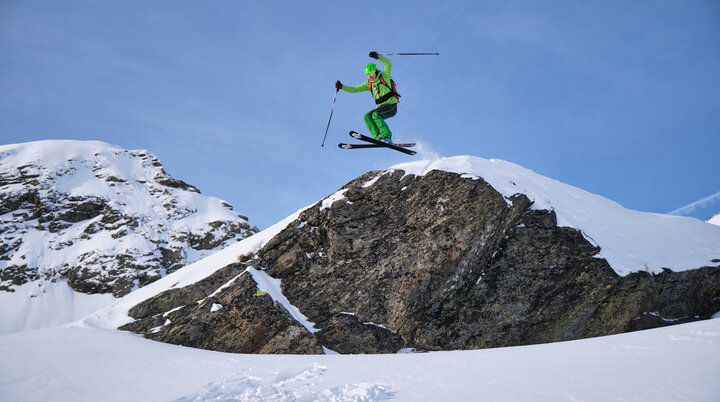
[(78, 363)]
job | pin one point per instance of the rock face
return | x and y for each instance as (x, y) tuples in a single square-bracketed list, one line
[(105, 219), (433, 262), (243, 321)]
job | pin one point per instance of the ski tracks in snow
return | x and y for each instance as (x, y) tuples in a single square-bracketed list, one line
[(287, 385)]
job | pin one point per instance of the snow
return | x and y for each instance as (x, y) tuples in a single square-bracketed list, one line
[(271, 286), (370, 182), (629, 240), (715, 220), (81, 363), (41, 304), (327, 202)]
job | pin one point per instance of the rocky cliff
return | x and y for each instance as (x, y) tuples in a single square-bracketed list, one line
[(436, 261), (105, 219)]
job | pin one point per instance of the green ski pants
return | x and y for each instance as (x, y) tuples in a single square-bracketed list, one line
[(375, 120)]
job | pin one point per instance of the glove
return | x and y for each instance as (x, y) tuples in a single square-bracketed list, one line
[(338, 85), (374, 55)]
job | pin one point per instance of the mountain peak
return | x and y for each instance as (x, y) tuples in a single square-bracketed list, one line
[(102, 218)]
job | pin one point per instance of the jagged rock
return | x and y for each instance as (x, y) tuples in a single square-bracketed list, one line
[(178, 297), (248, 322), (344, 333), (434, 262)]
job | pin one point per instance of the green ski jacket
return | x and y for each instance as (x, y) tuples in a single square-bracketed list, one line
[(378, 89)]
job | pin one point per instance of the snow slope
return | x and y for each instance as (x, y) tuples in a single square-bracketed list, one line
[(41, 304), (79, 363)]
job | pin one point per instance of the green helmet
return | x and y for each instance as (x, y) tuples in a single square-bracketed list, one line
[(370, 68)]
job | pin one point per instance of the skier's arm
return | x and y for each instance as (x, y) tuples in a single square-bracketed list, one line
[(388, 67), (356, 89)]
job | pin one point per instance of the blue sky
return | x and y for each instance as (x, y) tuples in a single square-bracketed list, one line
[(618, 98)]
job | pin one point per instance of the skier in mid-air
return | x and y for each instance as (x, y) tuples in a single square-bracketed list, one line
[(386, 98)]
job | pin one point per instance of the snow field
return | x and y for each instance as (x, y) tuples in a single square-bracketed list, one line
[(81, 363), (41, 304)]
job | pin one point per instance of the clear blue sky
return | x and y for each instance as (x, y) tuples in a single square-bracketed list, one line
[(621, 98)]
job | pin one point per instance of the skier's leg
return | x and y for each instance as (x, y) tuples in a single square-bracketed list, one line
[(370, 123), (379, 115)]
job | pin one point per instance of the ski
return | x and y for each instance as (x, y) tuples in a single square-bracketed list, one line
[(359, 146), (379, 143)]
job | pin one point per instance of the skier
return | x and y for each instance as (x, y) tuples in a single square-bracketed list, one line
[(382, 89)]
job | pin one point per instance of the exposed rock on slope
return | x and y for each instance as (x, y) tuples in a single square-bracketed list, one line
[(434, 262), (104, 218)]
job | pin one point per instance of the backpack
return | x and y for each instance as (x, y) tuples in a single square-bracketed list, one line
[(393, 90)]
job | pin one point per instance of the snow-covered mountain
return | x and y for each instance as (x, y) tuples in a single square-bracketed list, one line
[(99, 219), (665, 364), (715, 219)]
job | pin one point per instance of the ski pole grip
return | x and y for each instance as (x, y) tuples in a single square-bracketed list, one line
[(410, 54)]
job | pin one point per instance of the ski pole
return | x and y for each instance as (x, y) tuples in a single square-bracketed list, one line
[(410, 54), (331, 112)]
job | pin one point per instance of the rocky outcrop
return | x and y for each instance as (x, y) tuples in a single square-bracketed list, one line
[(243, 321), (105, 219), (433, 262)]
